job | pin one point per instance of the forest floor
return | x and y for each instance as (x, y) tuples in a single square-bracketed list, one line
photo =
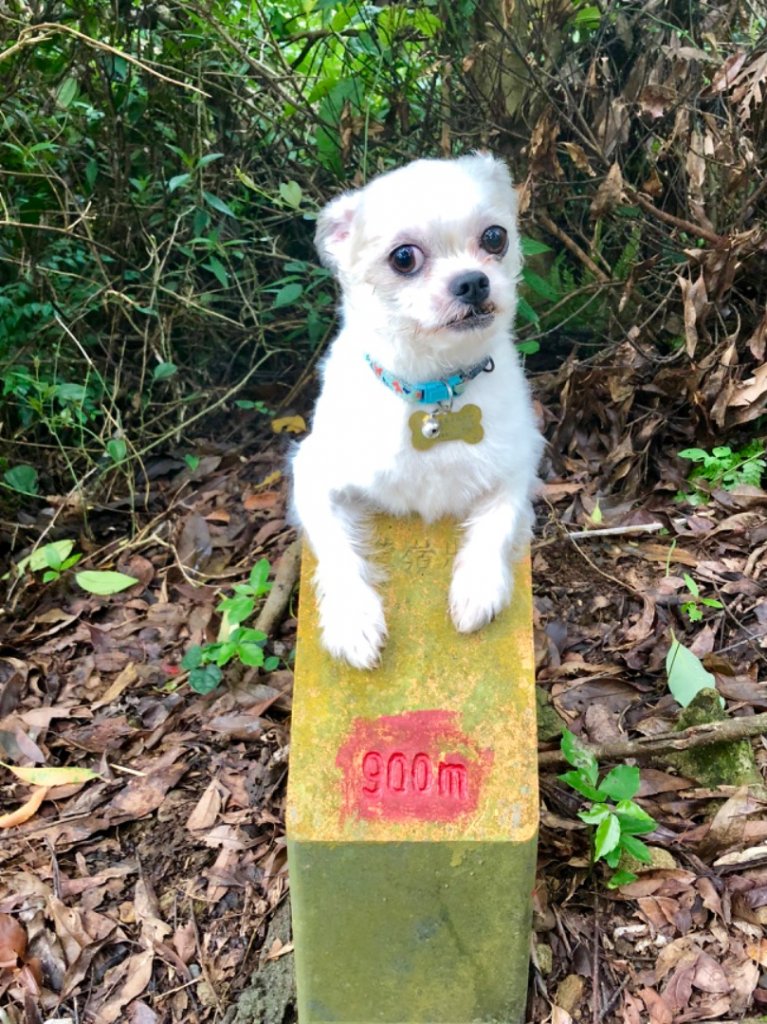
[(153, 892)]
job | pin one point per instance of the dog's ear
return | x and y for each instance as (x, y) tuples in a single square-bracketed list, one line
[(494, 171), (334, 229)]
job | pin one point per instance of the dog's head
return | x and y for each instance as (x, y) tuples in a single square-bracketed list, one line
[(429, 252)]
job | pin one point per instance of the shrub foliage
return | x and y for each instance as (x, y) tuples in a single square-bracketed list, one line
[(162, 164)]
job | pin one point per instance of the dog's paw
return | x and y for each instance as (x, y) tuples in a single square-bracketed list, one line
[(477, 594), (353, 625)]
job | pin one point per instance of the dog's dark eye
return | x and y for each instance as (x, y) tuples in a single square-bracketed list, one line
[(407, 259), (494, 240)]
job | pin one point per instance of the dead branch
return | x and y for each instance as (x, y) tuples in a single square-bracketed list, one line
[(607, 531), (279, 595), (677, 222), (40, 33), (572, 245), (651, 746)]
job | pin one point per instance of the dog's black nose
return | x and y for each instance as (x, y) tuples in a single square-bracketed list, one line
[(472, 288)]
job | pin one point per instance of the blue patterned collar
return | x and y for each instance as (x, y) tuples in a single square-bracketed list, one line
[(431, 392)]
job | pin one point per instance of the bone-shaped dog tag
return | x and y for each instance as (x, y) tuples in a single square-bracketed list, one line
[(463, 425)]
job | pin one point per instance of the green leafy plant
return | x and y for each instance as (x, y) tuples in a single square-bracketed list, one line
[(692, 608), (616, 818), (57, 558), (723, 467), (235, 641)]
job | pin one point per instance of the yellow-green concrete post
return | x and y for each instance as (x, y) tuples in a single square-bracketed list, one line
[(413, 805)]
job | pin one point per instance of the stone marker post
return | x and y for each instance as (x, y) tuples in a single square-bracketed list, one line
[(413, 805)]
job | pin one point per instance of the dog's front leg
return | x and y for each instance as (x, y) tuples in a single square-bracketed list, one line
[(483, 578), (350, 610)]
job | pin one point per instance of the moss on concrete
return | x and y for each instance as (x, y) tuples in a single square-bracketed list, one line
[(550, 725), (412, 932), (271, 996)]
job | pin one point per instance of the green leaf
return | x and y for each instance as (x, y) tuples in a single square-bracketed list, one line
[(271, 663), (694, 454), (590, 17), (192, 658), (52, 557), (595, 815), (621, 878), (686, 674), (41, 558), (22, 478), (50, 575), (250, 636), (621, 783), (528, 348), (291, 193), (579, 756), (636, 848), (633, 818), (532, 247), (219, 205), (237, 608), (247, 403), (540, 285), (613, 858), (67, 392), (217, 268), (117, 449), (164, 370), (692, 586), (67, 93), (103, 583), (692, 611), (526, 311), (205, 679), (251, 654), (192, 461), (288, 294), (578, 781), (178, 180), (258, 579), (224, 652), (208, 159), (607, 838)]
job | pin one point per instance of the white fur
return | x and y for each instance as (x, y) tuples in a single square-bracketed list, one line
[(359, 456)]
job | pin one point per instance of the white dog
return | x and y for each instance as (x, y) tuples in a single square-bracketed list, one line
[(428, 258)]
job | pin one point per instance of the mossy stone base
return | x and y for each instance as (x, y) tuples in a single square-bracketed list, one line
[(412, 932)]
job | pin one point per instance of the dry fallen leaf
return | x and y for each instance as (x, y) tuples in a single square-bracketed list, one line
[(609, 193)]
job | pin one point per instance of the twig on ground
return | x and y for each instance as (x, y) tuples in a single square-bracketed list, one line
[(607, 531), (279, 595), (650, 746)]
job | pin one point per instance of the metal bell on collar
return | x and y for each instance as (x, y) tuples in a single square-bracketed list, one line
[(430, 427)]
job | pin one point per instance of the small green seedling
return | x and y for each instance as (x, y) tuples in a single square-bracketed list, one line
[(723, 467), (56, 558), (692, 607), (617, 819), (204, 662)]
